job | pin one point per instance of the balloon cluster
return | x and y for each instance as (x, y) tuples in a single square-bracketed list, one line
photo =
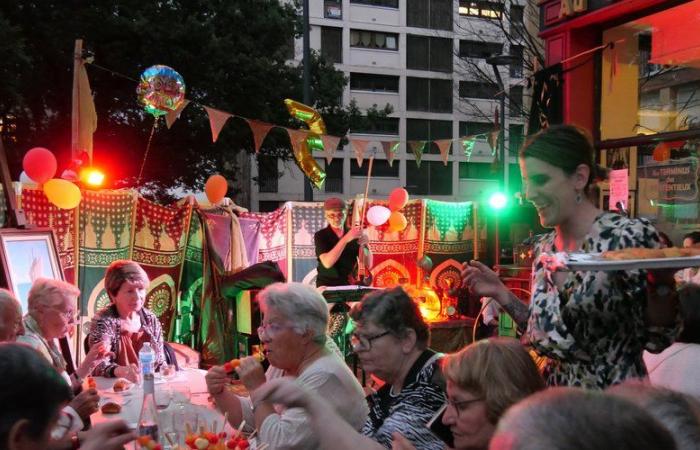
[(302, 152), (161, 90), (379, 215), (40, 166)]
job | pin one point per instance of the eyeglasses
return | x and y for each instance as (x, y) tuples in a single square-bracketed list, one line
[(69, 316), (462, 405), (335, 215), (359, 342), (272, 329)]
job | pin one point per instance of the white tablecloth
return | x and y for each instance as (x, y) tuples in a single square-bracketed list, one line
[(180, 411)]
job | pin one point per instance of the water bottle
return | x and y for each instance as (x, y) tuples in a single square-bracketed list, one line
[(147, 359)]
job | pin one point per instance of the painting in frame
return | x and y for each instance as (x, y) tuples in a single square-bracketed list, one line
[(27, 255)]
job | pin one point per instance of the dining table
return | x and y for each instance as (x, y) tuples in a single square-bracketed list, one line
[(182, 402)]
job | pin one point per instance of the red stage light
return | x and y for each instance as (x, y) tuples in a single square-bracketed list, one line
[(92, 176)]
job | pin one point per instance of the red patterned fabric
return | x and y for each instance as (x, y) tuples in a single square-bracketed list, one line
[(273, 236)]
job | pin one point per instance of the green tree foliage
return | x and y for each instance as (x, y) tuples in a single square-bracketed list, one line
[(233, 55)]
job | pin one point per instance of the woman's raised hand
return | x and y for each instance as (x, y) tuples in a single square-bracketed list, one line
[(482, 281), (97, 352), (251, 373), (216, 379)]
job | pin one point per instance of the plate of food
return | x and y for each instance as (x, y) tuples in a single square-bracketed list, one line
[(122, 386), (634, 258)]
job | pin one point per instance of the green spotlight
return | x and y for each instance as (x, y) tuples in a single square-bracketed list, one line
[(497, 201)]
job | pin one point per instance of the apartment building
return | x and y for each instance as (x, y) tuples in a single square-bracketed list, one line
[(425, 58)]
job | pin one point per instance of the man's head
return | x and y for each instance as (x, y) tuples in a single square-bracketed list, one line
[(335, 211), (33, 396), (10, 317), (692, 239)]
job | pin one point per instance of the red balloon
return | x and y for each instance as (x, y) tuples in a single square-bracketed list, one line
[(39, 164), (398, 199), (216, 188)]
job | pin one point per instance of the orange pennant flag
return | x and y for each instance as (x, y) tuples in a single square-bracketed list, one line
[(444, 146), (360, 147), (217, 120), (259, 130), (297, 138), (330, 145), (173, 115), (390, 150)]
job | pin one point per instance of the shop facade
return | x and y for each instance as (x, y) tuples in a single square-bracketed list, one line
[(629, 72)]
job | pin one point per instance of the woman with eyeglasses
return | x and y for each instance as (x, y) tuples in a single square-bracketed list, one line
[(293, 336), (52, 315)]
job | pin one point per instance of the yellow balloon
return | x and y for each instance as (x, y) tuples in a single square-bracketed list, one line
[(62, 193), (308, 165), (397, 221), (306, 114)]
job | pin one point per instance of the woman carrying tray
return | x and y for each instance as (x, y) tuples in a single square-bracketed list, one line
[(591, 325)]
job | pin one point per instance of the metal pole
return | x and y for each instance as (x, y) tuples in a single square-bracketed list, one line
[(502, 143), (308, 192)]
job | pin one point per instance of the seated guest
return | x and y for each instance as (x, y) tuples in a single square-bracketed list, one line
[(679, 413), (32, 406), (690, 275), (52, 315), (11, 324), (125, 324), (293, 335), (483, 380), (576, 419), (677, 367)]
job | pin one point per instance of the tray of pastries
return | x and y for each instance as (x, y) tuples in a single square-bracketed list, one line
[(634, 258)]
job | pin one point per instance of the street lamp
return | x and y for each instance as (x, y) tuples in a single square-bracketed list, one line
[(495, 61)]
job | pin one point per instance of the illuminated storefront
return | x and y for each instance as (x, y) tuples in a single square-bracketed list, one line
[(638, 93)]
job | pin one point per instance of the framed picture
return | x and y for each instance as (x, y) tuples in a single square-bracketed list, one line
[(27, 255)]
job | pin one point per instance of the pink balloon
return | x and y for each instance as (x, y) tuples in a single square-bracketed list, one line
[(39, 164), (398, 199), (378, 215)]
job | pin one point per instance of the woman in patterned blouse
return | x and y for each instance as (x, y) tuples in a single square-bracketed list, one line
[(592, 326), (125, 324)]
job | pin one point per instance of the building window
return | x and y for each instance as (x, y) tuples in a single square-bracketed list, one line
[(477, 89), (384, 3), (478, 171), (373, 82), (332, 9), (334, 176), (431, 14), (378, 125), (428, 130), (374, 39), (516, 67), (473, 128), (426, 94), (431, 178), (429, 53), (479, 49), (332, 44), (515, 101), (268, 173), (517, 21), (380, 168), (486, 10)]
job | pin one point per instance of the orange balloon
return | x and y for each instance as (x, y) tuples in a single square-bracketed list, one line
[(62, 193), (216, 188), (398, 199), (397, 221)]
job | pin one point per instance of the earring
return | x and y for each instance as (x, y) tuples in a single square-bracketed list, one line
[(579, 198)]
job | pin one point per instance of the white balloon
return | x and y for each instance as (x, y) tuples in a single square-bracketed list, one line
[(24, 178), (378, 215)]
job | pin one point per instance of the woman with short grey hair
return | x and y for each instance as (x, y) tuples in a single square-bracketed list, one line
[(293, 337)]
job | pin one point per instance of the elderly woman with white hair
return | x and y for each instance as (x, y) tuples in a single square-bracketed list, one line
[(293, 335), (52, 315)]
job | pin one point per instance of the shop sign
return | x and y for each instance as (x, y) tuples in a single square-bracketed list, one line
[(678, 179), (571, 7)]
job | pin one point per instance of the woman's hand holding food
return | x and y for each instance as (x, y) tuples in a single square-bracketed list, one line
[(86, 403), (216, 379), (251, 373)]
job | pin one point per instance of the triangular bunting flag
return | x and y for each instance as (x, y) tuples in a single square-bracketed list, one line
[(330, 145), (173, 115), (259, 130), (217, 120), (360, 147), (444, 146), (417, 148), (296, 137), (468, 145), (492, 139), (390, 150)]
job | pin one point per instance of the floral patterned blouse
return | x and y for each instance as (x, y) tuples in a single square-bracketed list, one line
[(593, 331), (106, 325)]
